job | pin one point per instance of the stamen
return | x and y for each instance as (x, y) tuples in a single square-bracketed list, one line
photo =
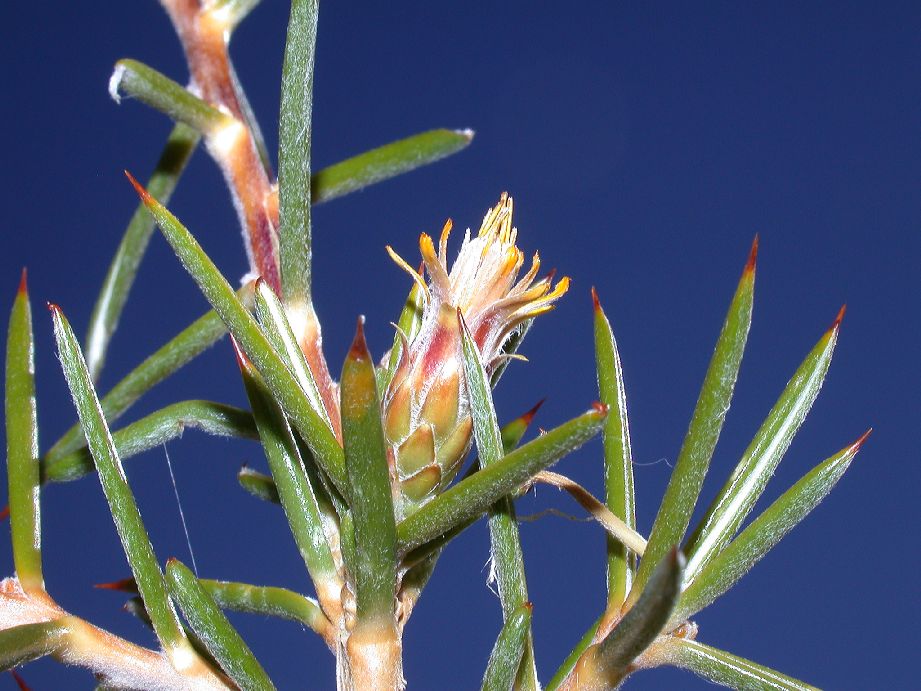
[(408, 269), (435, 268)]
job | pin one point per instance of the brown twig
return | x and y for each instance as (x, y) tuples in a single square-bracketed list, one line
[(204, 34), (119, 662)]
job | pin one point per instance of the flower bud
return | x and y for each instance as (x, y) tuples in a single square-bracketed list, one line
[(427, 419)]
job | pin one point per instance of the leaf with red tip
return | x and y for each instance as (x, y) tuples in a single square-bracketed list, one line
[(512, 432), (758, 463), (703, 432), (618, 456), (22, 445), (125, 585), (372, 503), (278, 378), (125, 513), (735, 560), (20, 682)]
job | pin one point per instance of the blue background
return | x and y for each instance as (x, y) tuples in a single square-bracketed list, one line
[(645, 147)]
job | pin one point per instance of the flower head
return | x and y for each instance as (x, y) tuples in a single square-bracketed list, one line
[(426, 414)]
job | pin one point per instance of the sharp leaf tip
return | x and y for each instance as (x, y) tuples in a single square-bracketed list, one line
[(752, 256)]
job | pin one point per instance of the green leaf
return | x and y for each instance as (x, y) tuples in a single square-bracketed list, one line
[(295, 492), (284, 387), (155, 429), (422, 560), (569, 663), (125, 514), (258, 484), (158, 91), (22, 445), (506, 654), (294, 153), (605, 664), (735, 560), (372, 503), (507, 558), (751, 475), (387, 161), (472, 496), (268, 600), (727, 669), (27, 642), (122, 271), (704, 431), (167, 360), (215, 631), (277, 328), (618, 457)]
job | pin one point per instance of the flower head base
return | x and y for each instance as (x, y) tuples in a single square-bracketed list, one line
[(426, 414)]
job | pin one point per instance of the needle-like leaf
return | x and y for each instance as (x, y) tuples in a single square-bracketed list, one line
[(735, 560), (155, 429), (424, 558), (618, 458), (158, 91), (605, 664), (472, 496), (268, 600), (215, 631), (387, 161), (507, 557), (281, 382), (372, 502), (751, 475), (22, 445), (704, 431), (27, 642), (727, 669), (117, 285), (128, 522), (507, 653), (274, 320), (258, 484), (294, 133), (295, 492), (167, 360)]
